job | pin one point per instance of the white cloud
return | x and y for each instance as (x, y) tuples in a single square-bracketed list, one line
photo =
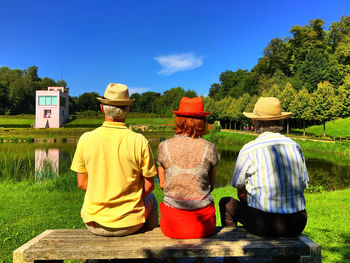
[(139, 90), (178, 62)]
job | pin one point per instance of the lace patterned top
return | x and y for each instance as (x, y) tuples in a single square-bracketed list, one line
[(187, 163)]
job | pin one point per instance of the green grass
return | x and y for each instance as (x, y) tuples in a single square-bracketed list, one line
[(19, 116), (84, 122), (233, 139), (20, 133), (335, 128), (81, 121), (96, 122), (18, 123), (28, 209)]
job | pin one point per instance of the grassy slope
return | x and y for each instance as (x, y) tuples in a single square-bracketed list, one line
[(34, 208), (336, 128), (232, 138)]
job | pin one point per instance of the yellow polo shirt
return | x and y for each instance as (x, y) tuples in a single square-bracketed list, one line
[(116, 160)]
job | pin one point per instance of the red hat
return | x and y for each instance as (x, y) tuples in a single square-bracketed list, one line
[(191, 107)]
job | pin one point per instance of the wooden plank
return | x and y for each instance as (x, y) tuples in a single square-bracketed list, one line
[(18, 254), (81, 244)]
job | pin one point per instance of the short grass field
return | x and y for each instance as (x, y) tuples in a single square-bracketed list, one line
[(92, 122), (28, 209), (334, 128), (230, 139)]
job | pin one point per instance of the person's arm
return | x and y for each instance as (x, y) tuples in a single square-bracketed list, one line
[(242, 194), (212, 175), (82, 181), (148, 186), (161, 175)]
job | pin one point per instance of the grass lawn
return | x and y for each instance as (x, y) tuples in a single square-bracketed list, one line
[(232, 138), (5, 122), (25, 121), (92, 122), (335, 128), (28, 209)]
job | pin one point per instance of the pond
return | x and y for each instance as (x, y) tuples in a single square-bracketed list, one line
[(25, 161)]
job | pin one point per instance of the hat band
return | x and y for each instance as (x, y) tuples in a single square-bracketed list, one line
[(266, 115)]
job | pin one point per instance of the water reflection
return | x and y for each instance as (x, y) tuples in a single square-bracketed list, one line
[(26, 161), (329, 174)]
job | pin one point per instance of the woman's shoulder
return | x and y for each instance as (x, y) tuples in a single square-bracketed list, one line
[(210, 144)]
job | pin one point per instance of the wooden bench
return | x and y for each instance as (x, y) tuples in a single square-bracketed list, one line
[(80, 244)]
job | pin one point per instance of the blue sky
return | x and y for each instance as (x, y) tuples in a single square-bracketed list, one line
[(148, 45)]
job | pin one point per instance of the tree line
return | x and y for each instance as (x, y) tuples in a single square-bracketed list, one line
[(309, 71), (17, 92), (17, 95), (17, 89)]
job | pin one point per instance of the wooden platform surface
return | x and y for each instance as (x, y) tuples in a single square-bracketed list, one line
[(80, 244)]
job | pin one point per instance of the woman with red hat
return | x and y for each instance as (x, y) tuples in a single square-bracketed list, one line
[(187, 169)]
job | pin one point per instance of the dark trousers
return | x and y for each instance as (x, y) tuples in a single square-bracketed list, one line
[(259, 222)]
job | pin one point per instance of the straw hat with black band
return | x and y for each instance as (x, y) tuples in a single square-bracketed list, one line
[(116, 94), (267, 109)]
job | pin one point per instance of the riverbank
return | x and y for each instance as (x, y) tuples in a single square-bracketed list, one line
[(28, 209)]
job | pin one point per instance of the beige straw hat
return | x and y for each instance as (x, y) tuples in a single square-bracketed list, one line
[(116, 94), (267, 109)]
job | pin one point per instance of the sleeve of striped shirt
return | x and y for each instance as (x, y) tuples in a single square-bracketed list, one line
[(239, 173), (306, 175), (304, 168)]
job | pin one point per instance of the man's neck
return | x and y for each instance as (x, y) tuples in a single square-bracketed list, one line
[(108, 119)]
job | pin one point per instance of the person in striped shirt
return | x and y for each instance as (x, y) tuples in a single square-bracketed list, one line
[(270, 176)]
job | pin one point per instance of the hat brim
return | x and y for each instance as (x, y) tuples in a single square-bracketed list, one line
[(115, 102), (193, 114), (251, 115)]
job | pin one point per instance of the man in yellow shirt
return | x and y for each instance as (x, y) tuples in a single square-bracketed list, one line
[(115, 167)]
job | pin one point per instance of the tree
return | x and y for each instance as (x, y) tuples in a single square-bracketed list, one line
[(17, 89), (274, 58), (22, 95), (322, 103), (339, 36), (190, 94), (239, 107), (273, 92), (214, 91), (342, 100), (32, 73), (3, 98), (47, 82), (339, 33), (300, 107), (222, 108), (314, 69), (305, 39), (287, 97), (210, 106), (61, 83), (73, 105), (170, 100), (234, 84), (87, 101)]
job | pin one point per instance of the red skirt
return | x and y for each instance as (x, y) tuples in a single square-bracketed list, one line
[(186, 224)]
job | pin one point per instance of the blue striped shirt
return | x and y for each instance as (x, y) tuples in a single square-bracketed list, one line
[(273, 170)]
